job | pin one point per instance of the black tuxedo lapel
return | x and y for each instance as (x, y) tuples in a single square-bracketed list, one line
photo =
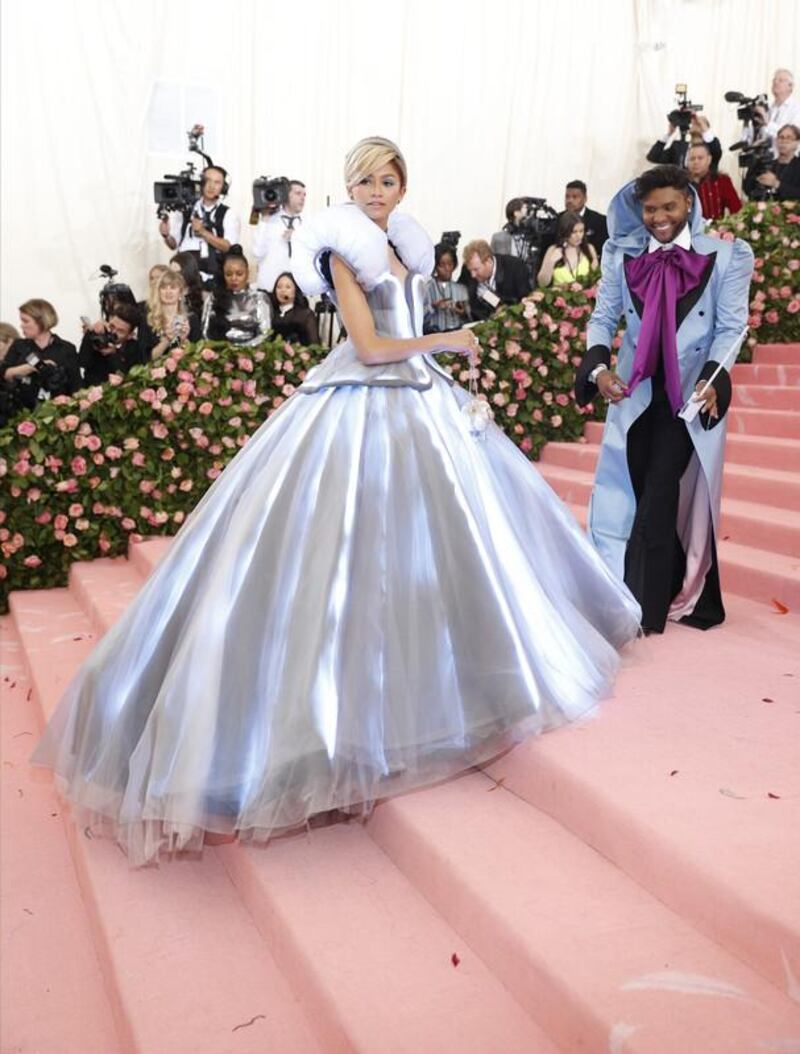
[(688, 301), (635, 300), (499, 275)]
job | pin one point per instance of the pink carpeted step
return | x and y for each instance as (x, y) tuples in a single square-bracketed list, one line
[(766, 397), (52, 997), (760, 373), (104, 589), (185, 967), (308, 897), (783, 424), (788, 354), (781, 455), (750, 523), (144, 556), (373, 959), (688, 780), (765, 451), (768, 487), (591, 955)]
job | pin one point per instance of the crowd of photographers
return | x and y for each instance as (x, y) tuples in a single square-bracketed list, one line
[(205, 290)]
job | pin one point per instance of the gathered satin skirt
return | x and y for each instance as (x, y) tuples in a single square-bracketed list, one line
[(367, 600)]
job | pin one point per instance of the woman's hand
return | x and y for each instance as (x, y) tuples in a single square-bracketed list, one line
[(463, 342)]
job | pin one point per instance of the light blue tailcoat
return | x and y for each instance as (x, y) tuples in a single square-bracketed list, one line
[(706, 333)]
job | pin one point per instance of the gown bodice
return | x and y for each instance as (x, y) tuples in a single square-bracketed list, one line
[(396, 307)]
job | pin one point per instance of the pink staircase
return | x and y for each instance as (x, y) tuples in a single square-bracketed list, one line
[(626, 884), (759, 544)]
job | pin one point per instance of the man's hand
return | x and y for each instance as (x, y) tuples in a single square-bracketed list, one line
[(699, 123), (198, 228), (709, 399), (163, 228), (611, 386), (768, 179)]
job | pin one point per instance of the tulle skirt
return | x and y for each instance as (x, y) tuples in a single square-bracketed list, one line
[(367, 600)]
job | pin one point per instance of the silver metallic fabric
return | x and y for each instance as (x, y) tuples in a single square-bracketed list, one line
[(368, 599)]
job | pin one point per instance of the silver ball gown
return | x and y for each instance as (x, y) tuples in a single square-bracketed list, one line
[(367, 600)]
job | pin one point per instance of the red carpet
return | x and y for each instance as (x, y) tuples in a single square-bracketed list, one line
[(628, 884)]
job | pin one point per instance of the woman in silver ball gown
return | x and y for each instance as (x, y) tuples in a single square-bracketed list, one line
[(367, 600)]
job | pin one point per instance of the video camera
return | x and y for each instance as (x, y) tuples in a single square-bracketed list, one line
[(539, 222), (179, 192), (270, 192), (681, 116), (747, 108)]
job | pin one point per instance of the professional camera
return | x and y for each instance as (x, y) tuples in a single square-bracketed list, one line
[(52, 378), (178, 193), (681, 116), (270, 192), (11, 401), (746, 110), (104, 339), (539, 222)]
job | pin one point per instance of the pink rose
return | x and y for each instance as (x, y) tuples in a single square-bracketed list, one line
[(785, 292), (526, 445), (69, 540), (44, 517), (249, 389), (74, 510), (213, 473), (771, 317), (147, 486), (78, 466), (138, 459), (159, 430), (93, 443), (179, 516), (562, 399), (555, 420), (82, 524), (32, 561), (103, 543), (245, 364), (147, 395), (205, 409), (131, 443), (26, 428), (61, 522), (185, 485), (113, 453), (793, 307), (208, 355), (128, 524), (115, 379), (511, 410)]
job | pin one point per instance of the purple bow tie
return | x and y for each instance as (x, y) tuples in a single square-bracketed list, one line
[(660, 279)]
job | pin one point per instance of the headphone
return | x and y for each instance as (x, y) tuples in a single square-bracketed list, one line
[(225, 184)]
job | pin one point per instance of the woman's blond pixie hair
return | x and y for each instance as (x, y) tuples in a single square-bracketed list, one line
[(368, 155)]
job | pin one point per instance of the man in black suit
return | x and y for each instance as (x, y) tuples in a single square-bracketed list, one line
[(594, 222), (492, 279)]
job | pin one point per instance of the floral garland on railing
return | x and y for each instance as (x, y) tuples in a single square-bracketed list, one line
[(82, 477)]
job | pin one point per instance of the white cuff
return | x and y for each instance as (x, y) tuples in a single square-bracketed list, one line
[(596, 372)]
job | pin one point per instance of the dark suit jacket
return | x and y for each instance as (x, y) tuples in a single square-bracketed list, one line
[(675, 154), (511, 285)]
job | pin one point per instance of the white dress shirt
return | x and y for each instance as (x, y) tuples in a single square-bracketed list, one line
[(788, 112), (272, 248), (683, 240), (191, 242)]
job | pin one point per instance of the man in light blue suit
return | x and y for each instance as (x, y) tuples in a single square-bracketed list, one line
[(684, 296)]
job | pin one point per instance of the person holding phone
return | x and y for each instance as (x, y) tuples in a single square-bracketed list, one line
[(169, 323)]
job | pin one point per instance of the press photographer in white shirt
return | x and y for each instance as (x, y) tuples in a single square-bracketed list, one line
[(272, 238), (210, 229)]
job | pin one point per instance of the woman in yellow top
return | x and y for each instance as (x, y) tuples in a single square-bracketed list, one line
[(571, 258)]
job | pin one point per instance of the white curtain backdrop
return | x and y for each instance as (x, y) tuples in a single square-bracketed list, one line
[(488, 101)]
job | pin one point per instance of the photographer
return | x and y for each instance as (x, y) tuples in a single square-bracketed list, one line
[(785, 108), (169, 323), (717, 193), (209, 229), (40, 364), (492, 279), (511, 240), (272, 238), (778, 179), (672, 149), (110, 347)]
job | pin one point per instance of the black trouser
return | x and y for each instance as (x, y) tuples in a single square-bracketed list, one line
[(659, 449)]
